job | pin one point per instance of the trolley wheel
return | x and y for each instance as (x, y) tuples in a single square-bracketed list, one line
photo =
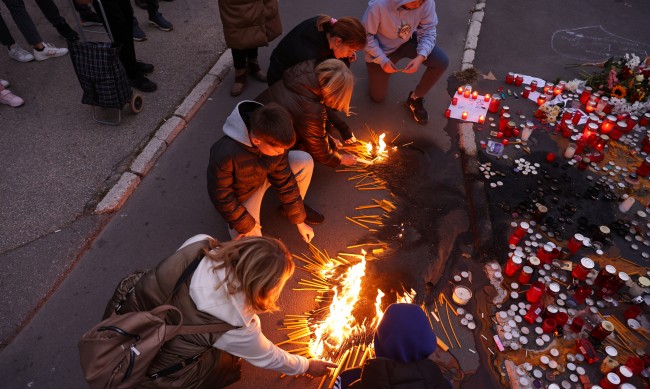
[(137, 102)]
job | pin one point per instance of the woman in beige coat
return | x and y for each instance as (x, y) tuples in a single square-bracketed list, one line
[(247, 25)]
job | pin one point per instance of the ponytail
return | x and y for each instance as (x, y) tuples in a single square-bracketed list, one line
[(348, 28)]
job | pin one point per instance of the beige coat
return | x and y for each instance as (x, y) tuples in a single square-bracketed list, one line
[(249, 23)]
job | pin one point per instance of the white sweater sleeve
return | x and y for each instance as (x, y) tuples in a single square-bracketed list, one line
[(250, 344)]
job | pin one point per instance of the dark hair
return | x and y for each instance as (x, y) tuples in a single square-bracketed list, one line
[(348, 28), (273, 124)]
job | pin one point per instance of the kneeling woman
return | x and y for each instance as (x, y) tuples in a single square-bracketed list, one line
[(307, 90), (233, 282)]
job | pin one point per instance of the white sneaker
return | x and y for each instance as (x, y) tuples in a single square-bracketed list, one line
[(4, 83), (49, 51), (19, 54), (6, 97)]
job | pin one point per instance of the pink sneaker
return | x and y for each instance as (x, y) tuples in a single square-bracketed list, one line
[(6, 97)]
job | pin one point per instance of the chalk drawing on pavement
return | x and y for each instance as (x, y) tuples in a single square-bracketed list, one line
[(594, 44)]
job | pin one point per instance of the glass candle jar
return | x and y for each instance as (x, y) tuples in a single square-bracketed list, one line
[(514, 263), (526, 92), (581, 293), (601, 142), (602, 330), (624, 373), (561, 318), (610, 381), (575, 243), (575, 119), (584, 163), (583, 268), (590, 130), (510, 78), (602, 103), (541, 99), (494, 104), (519, 79), (604, 275), (645, 143), (645, 119), (619, 130), (584, 96), (525, 275), (548, 87), (533, 262), (503, 122), (486, 97), (549, 325), (591, 106), (576, 324), (644, 169), (533, 313), (608, 124), (536, 291), (467, 91), (550, 311), (533, 85), (632, 121)]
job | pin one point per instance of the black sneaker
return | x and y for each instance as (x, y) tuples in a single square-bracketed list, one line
[(91, 19), (67, 32), (157, 20), (313, 216), (138, 34), (417, 109), (143, 83), (145, 68)]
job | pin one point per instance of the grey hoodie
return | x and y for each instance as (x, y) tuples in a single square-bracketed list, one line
[(389, 26)]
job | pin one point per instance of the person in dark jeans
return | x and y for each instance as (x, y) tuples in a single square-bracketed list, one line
[(52, 14), (119, 14), (155, 17)]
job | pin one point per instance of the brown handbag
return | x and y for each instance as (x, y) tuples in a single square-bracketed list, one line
[(117, 352)]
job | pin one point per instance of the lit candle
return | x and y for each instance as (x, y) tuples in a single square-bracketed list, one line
[(454, 100), (541, 100), (591, 106), (464, 115), (448, 113), (481, 119), (474, 95), (494, 104), (548, 87), (487, 98), (608, 124)]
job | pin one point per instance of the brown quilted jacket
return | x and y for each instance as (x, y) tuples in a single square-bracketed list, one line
[(249, 23)]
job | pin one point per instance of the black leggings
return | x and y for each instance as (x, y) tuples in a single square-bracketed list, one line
[(239, 57)]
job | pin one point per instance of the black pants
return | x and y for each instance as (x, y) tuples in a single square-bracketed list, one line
[(239, 57), (119, 14)]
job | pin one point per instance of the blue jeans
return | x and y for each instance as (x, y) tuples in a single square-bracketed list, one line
[(435, 64), (22, 20)]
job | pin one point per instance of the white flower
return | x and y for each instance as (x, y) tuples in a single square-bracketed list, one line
[(575, 84), (632, 61), (639, 77)]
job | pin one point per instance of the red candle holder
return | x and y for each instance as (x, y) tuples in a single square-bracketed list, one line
[(544, 253), (533, 313), (467, 92), (519, 79), (526, 92), (604, 275), (481, 119), (608, 124), (645, 143), (513, 265), (494, 104), (591, 106), (550, 157), (561, 318), (632, 312), (632, 121), (589, 130), (535, 292), (474, 95), (581, 293), (601, 142), (602, 103), (610, 381), (624, 373), (510, 78), (584, 163), (602, 330), (486, 98), (645, 119), (548, 88), (577, 115), (505, 142), (448, 113), (575, 243), (584, 96), (460, 90), (454, 100), (576, 324), (533, 85), (525, 275), (549, 325), (503, 122), (635, 364), (464, 115), (583, 268), (541, 100), (644, 169)]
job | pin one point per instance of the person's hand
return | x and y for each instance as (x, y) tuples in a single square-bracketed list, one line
[(256, 231), (389, 67), (413, 64), (319, 368), (353, 57), (306, 232), (336, 141), (350, 140), (348, 159)]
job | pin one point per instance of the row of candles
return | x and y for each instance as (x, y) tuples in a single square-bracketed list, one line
[(606, 283)]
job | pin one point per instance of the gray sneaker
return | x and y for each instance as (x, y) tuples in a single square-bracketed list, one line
[(138, 34), (157, 20), (19, 54)]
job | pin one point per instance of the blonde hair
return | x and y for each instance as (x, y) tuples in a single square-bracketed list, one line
[(337, 83), (259, 264)]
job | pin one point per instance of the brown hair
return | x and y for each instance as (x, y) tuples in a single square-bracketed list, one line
[(337, 83), (273, 124), (260, 265), (348, 28)]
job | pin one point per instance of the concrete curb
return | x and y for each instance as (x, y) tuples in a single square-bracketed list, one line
[(164, 136), (473, 31), (475, 189)]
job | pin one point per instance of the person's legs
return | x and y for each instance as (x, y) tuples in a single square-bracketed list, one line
[(239, 60), (23, 21), (436, 64), (254, 66), (52, 14), (253, 205), (302, 166), (377, 82), (155, 17), (5, 35)]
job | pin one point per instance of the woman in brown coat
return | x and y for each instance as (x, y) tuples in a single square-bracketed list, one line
[(247, 25)]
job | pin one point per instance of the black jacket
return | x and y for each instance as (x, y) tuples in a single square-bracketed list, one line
[(237, 169), (300, 93), (382, 373), (303, 43)]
